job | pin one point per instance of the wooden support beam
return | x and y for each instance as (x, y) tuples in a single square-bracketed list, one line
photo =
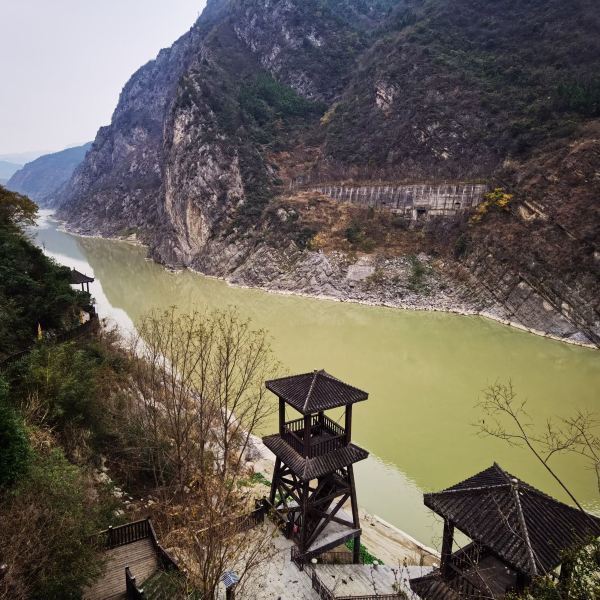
[(356, 550), (274, 482), (348, 423), (304, 530), (307, 420), (281, 416), (447, 542), (353, 500)]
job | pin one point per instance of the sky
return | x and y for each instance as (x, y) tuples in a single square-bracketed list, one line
[(63, 63)]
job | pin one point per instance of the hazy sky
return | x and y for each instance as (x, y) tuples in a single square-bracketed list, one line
[(64, 62)]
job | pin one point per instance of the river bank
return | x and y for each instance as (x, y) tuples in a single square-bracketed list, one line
[(421, 366), (416, 283)]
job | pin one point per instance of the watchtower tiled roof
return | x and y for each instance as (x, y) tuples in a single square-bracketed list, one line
[(313, 392), (312, 468), (520, 524)]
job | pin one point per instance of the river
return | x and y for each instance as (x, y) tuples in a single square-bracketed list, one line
[(424, 372)]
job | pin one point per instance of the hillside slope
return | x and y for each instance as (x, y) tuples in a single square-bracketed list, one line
[(42, 178), (209, 143)]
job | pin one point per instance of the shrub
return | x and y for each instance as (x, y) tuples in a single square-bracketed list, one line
[(14, 444), (63, 380), (48, 519)]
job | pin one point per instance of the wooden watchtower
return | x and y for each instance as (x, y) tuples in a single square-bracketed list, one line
[(313, 476)]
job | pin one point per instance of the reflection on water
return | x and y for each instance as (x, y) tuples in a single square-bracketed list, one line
[(424, 373)]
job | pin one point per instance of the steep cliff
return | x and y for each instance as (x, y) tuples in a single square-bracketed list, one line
[(43, 178), (213, 144)]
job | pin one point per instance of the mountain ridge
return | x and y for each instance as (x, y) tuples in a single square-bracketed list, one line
[(42, 178), (209, 141)]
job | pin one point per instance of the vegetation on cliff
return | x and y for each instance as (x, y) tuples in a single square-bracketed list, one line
[(35, 292), (157, 412)]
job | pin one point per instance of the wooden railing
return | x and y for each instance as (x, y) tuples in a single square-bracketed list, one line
[(327, 445), (236, 525), (293, 434), (294, 441), (467, 585), (326, 558), (130, 533), (333, 426), (132, 591), (166, 560), (326, 594), (125, 534)]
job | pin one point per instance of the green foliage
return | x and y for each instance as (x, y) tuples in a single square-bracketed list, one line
[(357, 237), (33, 289), (365, 556), (583, 583), (14, 444), (16, 211), (64, 379), (49, 512), (582, 97), (265, 99), (417, 280)]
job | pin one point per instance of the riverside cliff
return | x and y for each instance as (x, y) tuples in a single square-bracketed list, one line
[(219, 150)]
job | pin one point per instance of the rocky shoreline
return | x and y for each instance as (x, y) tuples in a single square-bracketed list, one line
[(418, 283)]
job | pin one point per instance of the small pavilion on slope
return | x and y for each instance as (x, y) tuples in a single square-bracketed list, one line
[(313, 476), (84, 281), (517, 532)]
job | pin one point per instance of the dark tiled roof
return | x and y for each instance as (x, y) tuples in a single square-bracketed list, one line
[(433, 587), (77, 277), (312, 392), (311, 468), (520, 524)]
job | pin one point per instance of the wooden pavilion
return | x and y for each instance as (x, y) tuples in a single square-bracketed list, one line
[(313, 476), (517, 532), (78, 278)]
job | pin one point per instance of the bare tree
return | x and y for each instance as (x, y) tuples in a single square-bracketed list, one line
[(243, 361), (198, 380), (506, 418), (217, 528)]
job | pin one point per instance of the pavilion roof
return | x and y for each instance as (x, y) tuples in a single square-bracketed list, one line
[(313, 392), (78, 278), (312, 468), (518, 523)]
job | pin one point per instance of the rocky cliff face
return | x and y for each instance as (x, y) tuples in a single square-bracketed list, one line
[(209, 141)]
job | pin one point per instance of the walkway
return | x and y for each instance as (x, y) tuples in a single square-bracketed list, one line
[(139, 556)]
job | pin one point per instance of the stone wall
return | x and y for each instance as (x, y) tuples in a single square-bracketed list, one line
[(415, 201)]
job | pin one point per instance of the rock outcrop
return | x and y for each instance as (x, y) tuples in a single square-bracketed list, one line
[(261, 94)]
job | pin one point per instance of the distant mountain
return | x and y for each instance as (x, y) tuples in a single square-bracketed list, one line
[(22, 158), (7, 169), (42, 178)]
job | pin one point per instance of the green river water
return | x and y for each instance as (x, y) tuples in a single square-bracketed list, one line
[(424, 372)]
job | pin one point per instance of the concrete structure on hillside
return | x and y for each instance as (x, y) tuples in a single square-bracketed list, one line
[(417, 202)]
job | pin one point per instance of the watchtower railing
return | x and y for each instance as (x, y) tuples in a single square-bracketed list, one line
[(293, 434)]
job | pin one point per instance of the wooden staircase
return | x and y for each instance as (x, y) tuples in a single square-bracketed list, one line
[(134, 564)]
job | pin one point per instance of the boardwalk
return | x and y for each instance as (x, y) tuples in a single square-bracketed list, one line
[(139, 556)]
